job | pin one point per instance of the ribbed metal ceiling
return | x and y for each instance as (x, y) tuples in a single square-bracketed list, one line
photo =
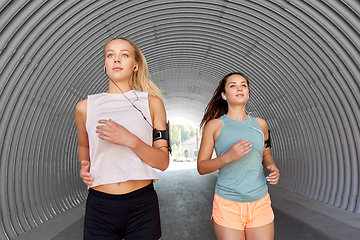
[(302, 58)]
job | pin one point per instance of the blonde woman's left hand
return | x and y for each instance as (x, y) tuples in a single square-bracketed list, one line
[(110, 131)]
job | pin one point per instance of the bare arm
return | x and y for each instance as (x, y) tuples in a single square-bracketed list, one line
[(207, 165), (83, 150), (156, 156), (268, 161)]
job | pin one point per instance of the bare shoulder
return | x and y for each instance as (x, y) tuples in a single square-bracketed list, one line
[(214, 124), (81, 107), (263, 126), (211, 131), (80, 120), (213, 128), (261, 122), (81, 112), (155, 101), (157, 112), (156, 105)]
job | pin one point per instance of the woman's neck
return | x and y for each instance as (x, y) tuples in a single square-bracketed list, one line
[(237, 113), (118, 87)]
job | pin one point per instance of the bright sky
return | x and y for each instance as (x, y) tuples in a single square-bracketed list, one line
[(183, 121)]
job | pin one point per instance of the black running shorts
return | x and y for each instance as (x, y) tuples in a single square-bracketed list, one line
[(134, 215)]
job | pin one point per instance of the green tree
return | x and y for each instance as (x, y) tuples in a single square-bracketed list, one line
[(187, 132), (174, 134)]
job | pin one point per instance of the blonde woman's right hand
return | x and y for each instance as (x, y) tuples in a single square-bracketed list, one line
[(238, 150), (85, 173)]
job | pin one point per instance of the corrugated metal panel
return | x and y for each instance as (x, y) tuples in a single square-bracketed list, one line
[(302, 58)]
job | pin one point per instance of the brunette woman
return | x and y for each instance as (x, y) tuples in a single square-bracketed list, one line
[(241, 206)]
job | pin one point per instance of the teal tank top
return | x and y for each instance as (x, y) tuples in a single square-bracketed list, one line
[(242, 180)]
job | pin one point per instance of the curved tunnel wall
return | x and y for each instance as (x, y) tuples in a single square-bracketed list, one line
[(302, 58)]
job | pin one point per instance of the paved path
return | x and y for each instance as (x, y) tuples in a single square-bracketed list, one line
[(185, 200)]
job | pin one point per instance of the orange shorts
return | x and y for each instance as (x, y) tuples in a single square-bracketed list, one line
[(242, 215)]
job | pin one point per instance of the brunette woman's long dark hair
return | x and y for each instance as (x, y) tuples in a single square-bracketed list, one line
[(217, 105)]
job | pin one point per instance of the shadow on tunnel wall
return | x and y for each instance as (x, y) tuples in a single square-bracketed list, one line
[(302, 58)]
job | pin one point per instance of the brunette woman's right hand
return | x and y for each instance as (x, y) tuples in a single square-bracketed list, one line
[(238, 150), (85, 173)]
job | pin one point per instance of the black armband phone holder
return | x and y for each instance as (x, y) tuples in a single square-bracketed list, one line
[(267, 143), (162, 134)]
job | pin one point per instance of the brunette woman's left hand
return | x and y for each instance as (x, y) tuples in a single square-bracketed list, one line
[(112, 132), (274, 175)]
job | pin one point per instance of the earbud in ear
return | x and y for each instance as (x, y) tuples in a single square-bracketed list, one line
[(104, 69), (134, 67), (248, 97), (224, 98)]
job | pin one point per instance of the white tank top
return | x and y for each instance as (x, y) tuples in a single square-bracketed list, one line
[(112, 163)]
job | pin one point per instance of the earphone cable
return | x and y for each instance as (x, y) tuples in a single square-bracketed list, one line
[(132, 102), (238, 116)]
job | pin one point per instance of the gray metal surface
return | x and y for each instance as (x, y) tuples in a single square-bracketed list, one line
[(302, 58)]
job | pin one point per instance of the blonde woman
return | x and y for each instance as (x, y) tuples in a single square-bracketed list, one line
[(117, 150)]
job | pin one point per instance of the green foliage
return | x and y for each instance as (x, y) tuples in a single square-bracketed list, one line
[(187, 132)]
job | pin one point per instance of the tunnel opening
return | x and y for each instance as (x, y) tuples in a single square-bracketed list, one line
[(185, 138)]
